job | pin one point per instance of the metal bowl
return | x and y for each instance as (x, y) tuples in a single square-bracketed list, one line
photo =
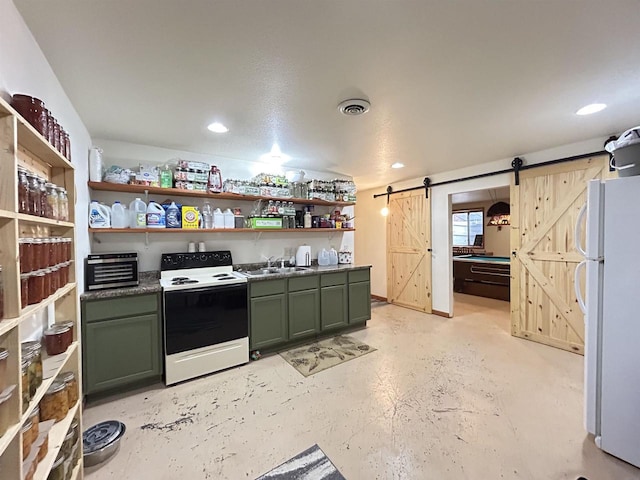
[(101, 442)]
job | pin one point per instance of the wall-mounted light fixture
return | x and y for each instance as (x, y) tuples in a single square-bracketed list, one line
[(499, 215)]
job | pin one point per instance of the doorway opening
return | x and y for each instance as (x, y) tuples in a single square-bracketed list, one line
[(479, 242)]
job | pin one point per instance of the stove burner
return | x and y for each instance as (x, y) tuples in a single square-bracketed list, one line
[(177, 279), (182, 281), (223, 275)]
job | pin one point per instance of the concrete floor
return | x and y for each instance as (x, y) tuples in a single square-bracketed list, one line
[(440, 399)]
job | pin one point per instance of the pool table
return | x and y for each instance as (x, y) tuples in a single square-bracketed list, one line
[(481, 275)]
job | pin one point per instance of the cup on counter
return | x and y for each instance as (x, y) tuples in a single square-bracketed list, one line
[(202, 247), (192, 247)]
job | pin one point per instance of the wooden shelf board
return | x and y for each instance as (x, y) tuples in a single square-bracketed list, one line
[(7, 214), (8, 324), (42, 221), (31, 309), (11, 432), (141, 189), (218, 230), (56, 437)]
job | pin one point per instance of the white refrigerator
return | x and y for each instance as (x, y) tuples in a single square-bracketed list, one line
[(611, 305)]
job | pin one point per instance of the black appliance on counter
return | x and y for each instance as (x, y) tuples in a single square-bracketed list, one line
[(110, 270)]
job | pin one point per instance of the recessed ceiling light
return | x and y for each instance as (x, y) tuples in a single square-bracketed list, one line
[(592, 108), (397, 165), (217, 127)]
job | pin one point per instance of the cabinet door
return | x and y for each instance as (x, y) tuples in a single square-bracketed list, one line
[(120, 351), (304, 313), (359, 302), (268, 321), (334, 306)]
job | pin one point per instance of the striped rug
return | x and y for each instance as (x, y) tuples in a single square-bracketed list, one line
[(312, 464)]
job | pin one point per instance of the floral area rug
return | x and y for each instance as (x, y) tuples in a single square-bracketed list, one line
[(319, 356)]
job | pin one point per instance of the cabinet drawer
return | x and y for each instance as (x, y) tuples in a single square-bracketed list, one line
[(303, 283), (120, 307), (359, 276), (267, 287), (329, 279)]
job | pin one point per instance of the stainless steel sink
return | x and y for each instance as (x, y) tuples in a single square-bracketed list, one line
[(274, 271)]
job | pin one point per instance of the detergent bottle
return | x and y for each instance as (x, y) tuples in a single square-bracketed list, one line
[(99, 215), (156, 218)]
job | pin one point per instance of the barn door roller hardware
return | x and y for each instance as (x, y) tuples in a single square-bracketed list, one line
[(517, 165), (426, 183)]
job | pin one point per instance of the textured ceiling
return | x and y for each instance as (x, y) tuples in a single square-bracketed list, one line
[(451, 83)]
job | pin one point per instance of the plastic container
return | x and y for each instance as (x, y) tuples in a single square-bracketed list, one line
[(307, 220), (218, 218), (207, 215), (156, 217), (173, 217), (333, 257), (95, 164), (166, 178), (138, 213), (119, 216), (323, 258), (229, 219), (54, 404), (99, 215)]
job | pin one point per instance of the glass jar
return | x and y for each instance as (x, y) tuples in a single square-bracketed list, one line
[(69, 378), (24, 289), (59, 250), (23, 191), (57, 340), (31, 372), (52, 208), (26, 395), (42, 197), (36, 287), (57, 471), (67, 249), (56, 135), (49, 246), (54, 404), (25, 265), (32, 110), (4, 355), (35, 349), (46, 289), (27, 438), (55, 278), (33, 207), (38, 259), (34, 418), (63, 204), (67, 445), (67, 146)]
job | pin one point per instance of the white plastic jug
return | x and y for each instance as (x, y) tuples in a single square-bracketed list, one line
[(99, 215), (119, 217), (333, 257), (323, 258), (229, 219), (138, 213), (156, 217), (218, 218)]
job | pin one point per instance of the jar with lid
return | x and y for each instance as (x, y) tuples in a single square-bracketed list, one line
[(67, 445), (56, 135), (49, 246), (4, 358), (63, 205), (67, 249), (57, 339), (65, 323), (25, 254), (26, 395), (57, 471), (31, 370), (38, 254), (27, 438), (52, 206), (32, 109), (36, 287), (34, 418), (55, 279), (33, 207), (23, 191), (54, 404), (46, 286), (43, 197), (35, 349), (24, 289)]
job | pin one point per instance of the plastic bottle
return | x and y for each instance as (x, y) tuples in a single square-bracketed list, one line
[(173, 217), (138, 213), (99, 215), (156, 218), (307, 220), (333, 257), (218, 218), (323, 258), (229, 219), (119, 217), (207, 215), (166, 177)]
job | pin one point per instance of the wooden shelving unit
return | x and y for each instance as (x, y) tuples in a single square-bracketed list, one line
[(220, 230), (177, 192), (21, 144)]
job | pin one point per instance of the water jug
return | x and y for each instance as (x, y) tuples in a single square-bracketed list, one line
[(138, 213), (156, 218), (119, 217), (333, 257), (323, 258), (218, 218), (229, 219), (99, 215), (173, 217)]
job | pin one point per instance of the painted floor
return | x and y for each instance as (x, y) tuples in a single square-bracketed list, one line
[(439, 399)]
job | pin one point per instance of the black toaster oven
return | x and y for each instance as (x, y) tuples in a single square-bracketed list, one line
[(110, 270)]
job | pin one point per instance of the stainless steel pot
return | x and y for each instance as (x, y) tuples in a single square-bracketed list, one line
[(101, 442)]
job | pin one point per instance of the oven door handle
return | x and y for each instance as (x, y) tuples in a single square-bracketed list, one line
[(209, 289)]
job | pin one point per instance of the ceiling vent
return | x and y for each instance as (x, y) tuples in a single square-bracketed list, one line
[(354, 106)]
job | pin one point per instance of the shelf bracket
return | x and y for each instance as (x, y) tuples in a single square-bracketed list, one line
[(146, 196), (258, 235), (146, 239)]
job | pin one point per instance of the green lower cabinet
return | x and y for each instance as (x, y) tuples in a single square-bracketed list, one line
[(334, 307), (304, 313), (121, 351), (268, 321), (359, 302)]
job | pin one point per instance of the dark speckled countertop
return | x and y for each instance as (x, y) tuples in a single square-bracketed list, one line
[(149, 283)]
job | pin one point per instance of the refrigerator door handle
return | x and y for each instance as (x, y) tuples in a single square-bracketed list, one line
[(578, 231), (576, 283)]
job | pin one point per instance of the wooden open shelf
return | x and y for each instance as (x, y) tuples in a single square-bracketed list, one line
[(220, 230), (42, 221), (143, 189)]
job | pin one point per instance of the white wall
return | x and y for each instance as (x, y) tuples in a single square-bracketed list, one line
[(496, 239), (24, 69), (245, 247), (372, 249)]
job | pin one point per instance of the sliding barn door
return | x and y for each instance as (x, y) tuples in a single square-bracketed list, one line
[(409, 251), (544, 211)]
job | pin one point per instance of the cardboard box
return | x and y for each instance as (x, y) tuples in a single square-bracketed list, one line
[(190, 217), (261, 222)]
